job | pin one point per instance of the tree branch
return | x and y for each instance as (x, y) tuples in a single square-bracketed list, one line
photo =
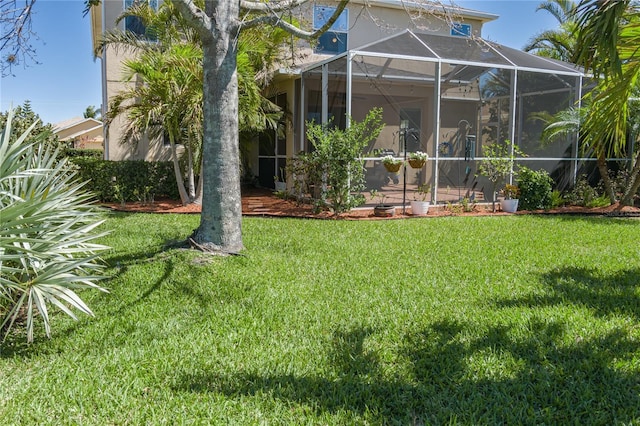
[(277, 21), (196, 17), (271, 6)]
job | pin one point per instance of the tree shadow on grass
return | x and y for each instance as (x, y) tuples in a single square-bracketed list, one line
[(441, 374), (605, 294)]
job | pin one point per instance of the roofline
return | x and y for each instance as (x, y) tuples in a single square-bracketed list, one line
[(97, 29), (436, 8), (76, 134), (75, 123)]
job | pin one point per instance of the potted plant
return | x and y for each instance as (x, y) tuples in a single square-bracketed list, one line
[(510, 202), (498, 164), (391, 163), (382, 210), (281, 184), (419, 204), (417, 159)]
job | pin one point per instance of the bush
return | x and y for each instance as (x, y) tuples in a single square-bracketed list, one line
[(336, 159), (127, 180), (88, 153), (582, 193), (535, 189)]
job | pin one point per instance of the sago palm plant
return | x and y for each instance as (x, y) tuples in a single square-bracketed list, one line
[(47, 232)]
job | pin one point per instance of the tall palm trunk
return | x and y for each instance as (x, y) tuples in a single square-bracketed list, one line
[(221, 217), (634, 184), (604, 174), (184, 197)]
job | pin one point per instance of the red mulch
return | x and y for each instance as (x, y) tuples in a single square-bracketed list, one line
[(261, 202)]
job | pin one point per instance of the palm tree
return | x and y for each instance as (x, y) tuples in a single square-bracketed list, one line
[(558, 43), (569, 122), (47, 244), (257, 53), (607, 44), (167, 102), (91, 112)]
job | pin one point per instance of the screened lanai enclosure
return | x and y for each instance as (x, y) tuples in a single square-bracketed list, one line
[(449, 97)]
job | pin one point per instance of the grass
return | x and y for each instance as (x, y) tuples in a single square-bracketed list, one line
[(513, 320)]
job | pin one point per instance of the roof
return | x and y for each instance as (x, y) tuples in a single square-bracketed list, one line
[(467, 50), (77, 127), (433, 7), (66, 124)]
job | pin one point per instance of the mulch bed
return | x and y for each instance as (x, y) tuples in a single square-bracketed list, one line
[(261, 202)]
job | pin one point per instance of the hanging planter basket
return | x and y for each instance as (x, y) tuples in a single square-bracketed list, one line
[(392, 168), (416, 164)]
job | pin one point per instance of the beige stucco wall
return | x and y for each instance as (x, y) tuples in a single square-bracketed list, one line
[(119, 149)]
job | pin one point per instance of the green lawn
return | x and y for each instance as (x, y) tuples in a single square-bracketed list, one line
[(510, 319)]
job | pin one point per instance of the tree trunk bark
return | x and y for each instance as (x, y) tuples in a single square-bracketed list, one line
[(191, 186), (184, 198), (220, 227), (604, 175), (634, 184)]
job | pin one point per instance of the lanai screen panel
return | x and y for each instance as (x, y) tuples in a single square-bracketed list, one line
[(404, 88), (485, 94), (325, 99)]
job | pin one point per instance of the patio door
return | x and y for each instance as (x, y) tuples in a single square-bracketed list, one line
[(272, 149)]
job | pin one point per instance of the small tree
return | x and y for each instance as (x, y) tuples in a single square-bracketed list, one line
[(338, 156), (497, 164)]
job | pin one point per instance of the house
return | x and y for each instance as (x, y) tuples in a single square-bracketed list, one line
[(444, 91), (80, 133)]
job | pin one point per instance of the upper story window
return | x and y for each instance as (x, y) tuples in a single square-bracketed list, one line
[(461, 30), (133, 23), (335, 40)]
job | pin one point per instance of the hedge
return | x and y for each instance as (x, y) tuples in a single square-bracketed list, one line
[(125, 181)]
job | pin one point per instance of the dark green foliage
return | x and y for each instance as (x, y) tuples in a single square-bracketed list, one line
[(535, 189), (336, 159), (557, 200), (582, 193), (87, 153), (23, 118), (127, 180)]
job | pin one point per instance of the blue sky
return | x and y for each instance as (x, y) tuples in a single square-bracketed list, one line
[(67, 79)]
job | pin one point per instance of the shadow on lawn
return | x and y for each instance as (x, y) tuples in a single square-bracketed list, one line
[(442, 375), (615, 293)]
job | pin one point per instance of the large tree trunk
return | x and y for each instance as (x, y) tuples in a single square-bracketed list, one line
[(601, 161), (221, 217), (632, 187)]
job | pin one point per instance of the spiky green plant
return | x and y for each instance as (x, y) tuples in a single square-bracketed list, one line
[(47, 228)]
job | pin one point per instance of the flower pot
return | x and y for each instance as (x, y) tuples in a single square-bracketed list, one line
[(509, 205), (281, 186), (392, 168), (416, 163), (419, 208), (384, 210)]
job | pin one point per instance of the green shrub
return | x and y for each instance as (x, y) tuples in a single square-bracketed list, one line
[(535, 189), (557, 200), (337, 161), (600, 201), (582, 193), (127, 180), (88, 153)]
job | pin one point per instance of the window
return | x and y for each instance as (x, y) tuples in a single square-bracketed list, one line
[(461, 30), (335, 40), (133, 23)]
